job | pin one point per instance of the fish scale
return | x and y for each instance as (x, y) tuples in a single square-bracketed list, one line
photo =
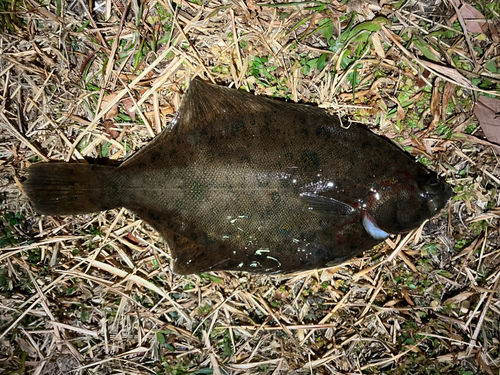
[(242, 182)]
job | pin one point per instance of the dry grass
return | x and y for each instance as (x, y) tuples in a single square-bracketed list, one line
[(95, 293)]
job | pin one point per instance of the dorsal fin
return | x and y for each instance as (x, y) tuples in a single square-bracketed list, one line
[(207, 105), (204, 102)]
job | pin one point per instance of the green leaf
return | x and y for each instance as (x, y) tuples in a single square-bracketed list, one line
[(105, 150), (492, 67), (58, 8), (212, 278), (321, 63), (85, 316), (326, 27), (227, 350), (347, 32), (367, 26), (445, 273), (446, 34), (160, 337), (423, 47)]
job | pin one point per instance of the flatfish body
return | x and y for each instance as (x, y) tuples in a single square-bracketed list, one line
[(246, 183)]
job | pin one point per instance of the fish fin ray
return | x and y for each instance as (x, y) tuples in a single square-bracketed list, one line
[(326, 206), (188, 257), (205, 103), (70, 189)]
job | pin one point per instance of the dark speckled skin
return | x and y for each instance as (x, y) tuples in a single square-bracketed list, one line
[(247, 183)]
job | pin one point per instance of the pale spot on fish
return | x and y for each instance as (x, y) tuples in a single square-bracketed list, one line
[(276, 260), (260, 251)]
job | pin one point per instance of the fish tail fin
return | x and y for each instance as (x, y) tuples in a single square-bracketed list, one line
[(69, 189)]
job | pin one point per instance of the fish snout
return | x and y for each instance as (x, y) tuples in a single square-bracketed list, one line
[(440, 198)]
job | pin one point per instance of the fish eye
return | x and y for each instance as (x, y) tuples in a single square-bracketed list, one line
[(433, 181)]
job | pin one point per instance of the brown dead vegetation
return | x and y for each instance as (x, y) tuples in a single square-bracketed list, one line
[(95, 293)]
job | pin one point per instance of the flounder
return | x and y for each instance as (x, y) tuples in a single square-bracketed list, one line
[(242, 182)]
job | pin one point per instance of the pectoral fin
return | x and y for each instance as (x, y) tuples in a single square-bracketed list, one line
[(326, 206)]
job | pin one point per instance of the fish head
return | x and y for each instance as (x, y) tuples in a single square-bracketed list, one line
[(434, 193), (408, 201)]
